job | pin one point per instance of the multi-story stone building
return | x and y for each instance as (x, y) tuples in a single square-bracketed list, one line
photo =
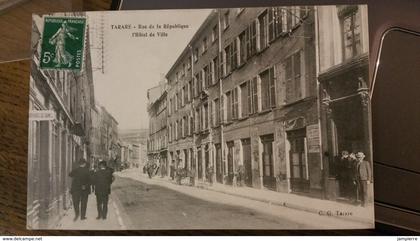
[(104, 138), (343, 79), (58, 141), (242, 100), (134, 141), (157, 141)]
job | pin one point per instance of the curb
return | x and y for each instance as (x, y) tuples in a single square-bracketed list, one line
[(288, 205)]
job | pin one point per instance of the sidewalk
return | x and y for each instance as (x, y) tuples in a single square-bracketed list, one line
[(298, 202), (113, 221)]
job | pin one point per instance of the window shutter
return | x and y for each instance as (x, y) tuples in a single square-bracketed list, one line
[(211, 116), (297, 73), (272, 87), (255, 101), (289, 80), (284, 20), (271, 25)]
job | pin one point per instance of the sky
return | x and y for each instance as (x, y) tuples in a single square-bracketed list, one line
[(134, 64)]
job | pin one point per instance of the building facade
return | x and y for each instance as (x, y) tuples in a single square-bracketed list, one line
[(242, 101), (134, 142), (344, 94), (104, 142), (58, 142), (157, 140)]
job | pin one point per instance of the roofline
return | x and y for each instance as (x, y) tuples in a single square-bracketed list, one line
[(194, 37)]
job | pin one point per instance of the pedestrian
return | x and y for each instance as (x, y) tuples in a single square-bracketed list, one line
[(103, 179), (363, 177), (172, 170), (80, 189), (163, 170)]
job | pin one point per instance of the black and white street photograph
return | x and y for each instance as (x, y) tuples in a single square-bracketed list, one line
[(234, 118)]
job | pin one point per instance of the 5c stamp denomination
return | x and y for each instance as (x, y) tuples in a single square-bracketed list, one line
[(62, 43)]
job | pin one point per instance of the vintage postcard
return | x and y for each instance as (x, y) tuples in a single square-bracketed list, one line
[(240, 118)]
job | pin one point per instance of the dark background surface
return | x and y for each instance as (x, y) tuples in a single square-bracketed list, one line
[(14, 92)]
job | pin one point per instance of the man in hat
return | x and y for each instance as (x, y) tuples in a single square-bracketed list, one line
[(80, 189), (363, 177), (102, 180)]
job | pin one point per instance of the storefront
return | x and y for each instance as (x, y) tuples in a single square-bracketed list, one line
[(346, 120)]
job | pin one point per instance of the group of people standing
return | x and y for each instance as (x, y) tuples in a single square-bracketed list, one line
[(354, 174), (84, 182)]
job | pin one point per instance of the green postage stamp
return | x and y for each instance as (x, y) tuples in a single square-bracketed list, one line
[(62, 45)]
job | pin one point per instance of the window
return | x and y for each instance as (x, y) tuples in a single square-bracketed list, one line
[(197, 120), (252, 39), (214, 34), (195, 55), (176, 102), (185, 126), (205, 116), (179, 100), (294, 90), (176, 130), (199, 83), (275, 25), (190, 93), (231, 57), (234, 102), (242, 47), (189, 63), (253, 96), (184, 96), (263, 30), (215, 70), (229, 106), (194, 87), (293, 17), (181, 72), (204, 45), (267, 155), (170, 106), (191, 129), (184, 69), (351, 34), (244, 99), (180, 129), (216, 112), (207, 76), (268, 98), (247, 42), (297, 155), (226, 20)]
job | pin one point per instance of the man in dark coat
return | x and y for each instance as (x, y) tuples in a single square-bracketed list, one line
[(363, 177), (102, 179), (80, 189)]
